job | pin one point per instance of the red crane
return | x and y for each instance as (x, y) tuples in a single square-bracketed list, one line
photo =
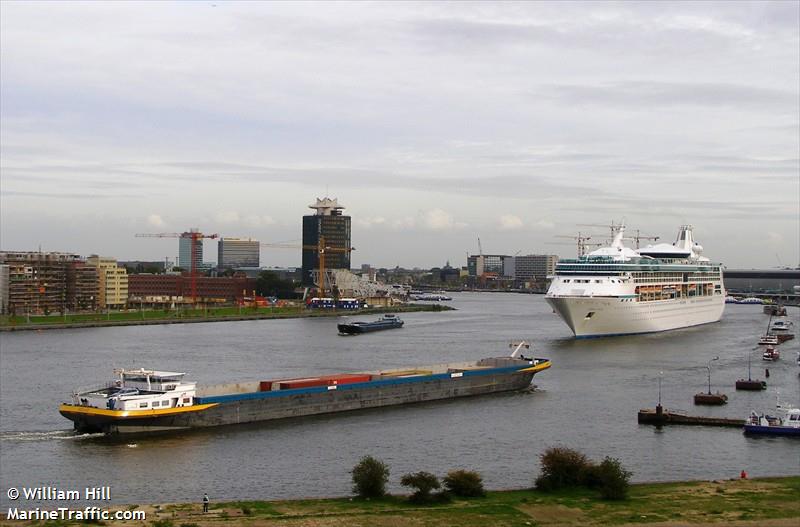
[(194, 235)]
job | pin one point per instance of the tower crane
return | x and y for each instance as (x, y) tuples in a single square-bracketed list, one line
[(321, 248), (194, 235), (581, 239), (638, 237)]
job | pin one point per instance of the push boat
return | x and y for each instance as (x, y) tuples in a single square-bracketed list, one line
[(145, 401), (763, 424), (356, 328), (617, 290)]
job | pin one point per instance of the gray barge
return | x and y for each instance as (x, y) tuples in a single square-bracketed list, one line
[(141, 401)]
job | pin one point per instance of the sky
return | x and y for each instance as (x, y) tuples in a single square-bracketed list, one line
[(434, 124)]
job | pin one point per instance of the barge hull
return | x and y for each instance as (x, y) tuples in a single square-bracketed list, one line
[(266, 406)]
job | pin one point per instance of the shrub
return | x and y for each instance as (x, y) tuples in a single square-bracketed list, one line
[(246, 511), (166, 522), (561, 468), (465, 483), (614, 479), (370, 477), (424, 483)]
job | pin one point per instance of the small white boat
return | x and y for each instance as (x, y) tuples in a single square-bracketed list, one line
[(771, 354), (768, 340), (781, 325)]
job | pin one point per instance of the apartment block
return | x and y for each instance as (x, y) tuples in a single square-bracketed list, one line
[(112, 283)]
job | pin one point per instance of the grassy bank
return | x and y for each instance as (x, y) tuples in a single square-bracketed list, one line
[(177, 316), (762, 502)]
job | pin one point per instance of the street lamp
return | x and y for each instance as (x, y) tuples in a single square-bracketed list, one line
[(708, 367), (660, 374)]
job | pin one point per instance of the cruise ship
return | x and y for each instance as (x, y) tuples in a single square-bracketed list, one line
[(617, 290)]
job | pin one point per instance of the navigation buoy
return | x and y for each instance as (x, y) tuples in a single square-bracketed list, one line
[(743, 475)]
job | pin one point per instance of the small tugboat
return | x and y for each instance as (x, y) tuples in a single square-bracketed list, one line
[(763, 424), (356, 328), (771, 354)]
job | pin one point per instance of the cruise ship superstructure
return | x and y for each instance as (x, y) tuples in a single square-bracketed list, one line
[(617, 290)]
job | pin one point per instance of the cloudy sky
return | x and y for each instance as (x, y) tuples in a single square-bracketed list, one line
[(433, 123)]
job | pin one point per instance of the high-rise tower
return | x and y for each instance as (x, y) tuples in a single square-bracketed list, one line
[(329, 223), (185, 250)]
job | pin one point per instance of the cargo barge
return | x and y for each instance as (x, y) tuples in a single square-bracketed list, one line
[(356, 328), (144, 401)]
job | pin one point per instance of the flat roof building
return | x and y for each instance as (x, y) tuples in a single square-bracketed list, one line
[(238, 252)]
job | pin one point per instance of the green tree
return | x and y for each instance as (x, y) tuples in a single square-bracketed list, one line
[(465, 483), (369, 477), (270, 284), (424, 483)]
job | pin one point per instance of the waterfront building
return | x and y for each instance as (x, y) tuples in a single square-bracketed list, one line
[(185, 250), (112, 282), (37, 281), (238, 252), (533, 268), (489, 264), (82, 286), (4, 289), (761, 280), (170, 287), (327, 222)]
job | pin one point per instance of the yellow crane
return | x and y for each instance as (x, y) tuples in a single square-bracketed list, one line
[(321, 248)]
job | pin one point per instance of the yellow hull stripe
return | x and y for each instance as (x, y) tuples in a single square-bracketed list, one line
[(132, 414), (538, 367)]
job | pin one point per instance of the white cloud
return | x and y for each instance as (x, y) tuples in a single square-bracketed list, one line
[(406, 222), (155, 220), (254, 220), (440, 220), (370, 222), (227, 216), (510, 222)]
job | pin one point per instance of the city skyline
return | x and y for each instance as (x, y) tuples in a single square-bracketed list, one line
[(433, 124)]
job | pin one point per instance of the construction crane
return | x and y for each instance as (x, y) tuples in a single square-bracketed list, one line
[(194, 235), (321, 248), (581, 239), (637, 237)]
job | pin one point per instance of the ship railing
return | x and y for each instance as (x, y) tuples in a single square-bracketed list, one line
[(94, 388)]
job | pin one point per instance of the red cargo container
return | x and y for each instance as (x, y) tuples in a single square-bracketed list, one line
[(348, 378), (265, 386), (302, 383)]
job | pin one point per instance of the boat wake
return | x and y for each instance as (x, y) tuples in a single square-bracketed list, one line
[(45, 436)]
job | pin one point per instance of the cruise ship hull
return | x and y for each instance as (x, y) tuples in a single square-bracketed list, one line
[(619, 316)]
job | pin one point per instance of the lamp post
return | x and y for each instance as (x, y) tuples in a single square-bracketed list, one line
[(660, 374), (708, 367)]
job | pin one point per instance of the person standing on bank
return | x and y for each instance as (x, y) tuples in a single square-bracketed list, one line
[(205, 502)]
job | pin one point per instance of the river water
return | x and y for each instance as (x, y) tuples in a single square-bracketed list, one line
[(588, 400)]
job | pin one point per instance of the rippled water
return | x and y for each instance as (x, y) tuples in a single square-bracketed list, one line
[(587, 400)]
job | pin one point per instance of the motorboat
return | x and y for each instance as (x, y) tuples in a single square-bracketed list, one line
[(781, 325), (768, 340), (771, 354)]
